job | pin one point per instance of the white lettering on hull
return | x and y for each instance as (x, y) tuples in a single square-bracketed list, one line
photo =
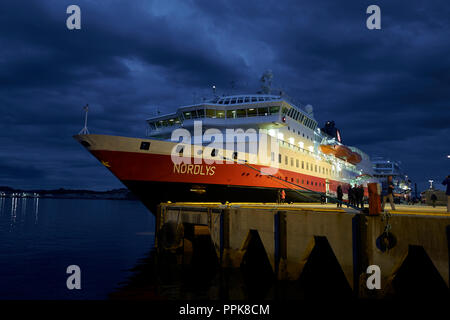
[(194, 169)]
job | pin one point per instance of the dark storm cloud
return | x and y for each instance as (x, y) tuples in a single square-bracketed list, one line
[(388, 90)]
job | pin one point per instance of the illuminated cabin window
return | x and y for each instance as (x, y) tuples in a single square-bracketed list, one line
[(241, 113), (274, 109), (252, 112), (220, 114), (231, 114), (145, 145), (187, 115), (210, 113), (263, 111), (296, 162), (286, 160)]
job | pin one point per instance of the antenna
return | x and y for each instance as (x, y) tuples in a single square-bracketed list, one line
[(85, 129)]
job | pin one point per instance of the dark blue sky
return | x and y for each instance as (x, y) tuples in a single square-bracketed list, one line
[(388, 90)]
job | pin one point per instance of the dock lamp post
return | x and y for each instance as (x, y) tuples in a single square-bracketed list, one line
[(431, 183)]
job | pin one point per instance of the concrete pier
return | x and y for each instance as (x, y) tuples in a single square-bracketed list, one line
[(410, 239)]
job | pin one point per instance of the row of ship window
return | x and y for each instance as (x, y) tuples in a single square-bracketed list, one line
[(300, 117), (217, 114), (300, 134), (235, 113), (309, 166)]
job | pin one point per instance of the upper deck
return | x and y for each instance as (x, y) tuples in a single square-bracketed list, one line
[(243, 111)]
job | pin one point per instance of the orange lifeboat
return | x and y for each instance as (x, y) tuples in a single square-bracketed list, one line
[(343, 152), (354, 158), (328, 149)]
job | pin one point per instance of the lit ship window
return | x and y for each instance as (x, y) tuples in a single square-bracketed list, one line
[(187, 115), (251, 112), (231, 113), (240, 113), (274, 110), (210, 113), (263, 111)]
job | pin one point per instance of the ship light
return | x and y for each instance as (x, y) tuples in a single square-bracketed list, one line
[(280, 136), (272, 132), (301, 145), (291, 140), (311, 148)]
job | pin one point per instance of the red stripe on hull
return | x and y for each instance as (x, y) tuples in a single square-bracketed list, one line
[(160, 168)]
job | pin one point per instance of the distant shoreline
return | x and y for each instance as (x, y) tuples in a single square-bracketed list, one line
[(61, 193)]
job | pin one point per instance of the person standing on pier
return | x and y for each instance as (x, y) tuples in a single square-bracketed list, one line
[(339, 196), (350, 196), (446, 182), (360, 193), (433, 200), (283, 196), (387, 192)]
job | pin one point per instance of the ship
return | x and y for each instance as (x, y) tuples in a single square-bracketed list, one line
[(384, 167), (233, 148)]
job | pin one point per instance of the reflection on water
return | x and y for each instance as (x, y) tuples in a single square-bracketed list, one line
[(20, 210), (40, 238)]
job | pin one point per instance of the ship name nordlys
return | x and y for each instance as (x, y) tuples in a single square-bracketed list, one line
[(194, 169)]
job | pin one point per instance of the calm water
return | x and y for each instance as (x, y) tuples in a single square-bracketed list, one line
[(40, 238)]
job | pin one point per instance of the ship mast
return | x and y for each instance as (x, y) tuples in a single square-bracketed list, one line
[(85, 129)]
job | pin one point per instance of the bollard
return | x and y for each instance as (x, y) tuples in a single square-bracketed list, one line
[(374, 199)]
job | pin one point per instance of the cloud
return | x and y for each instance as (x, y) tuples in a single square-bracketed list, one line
[(387, 90)]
